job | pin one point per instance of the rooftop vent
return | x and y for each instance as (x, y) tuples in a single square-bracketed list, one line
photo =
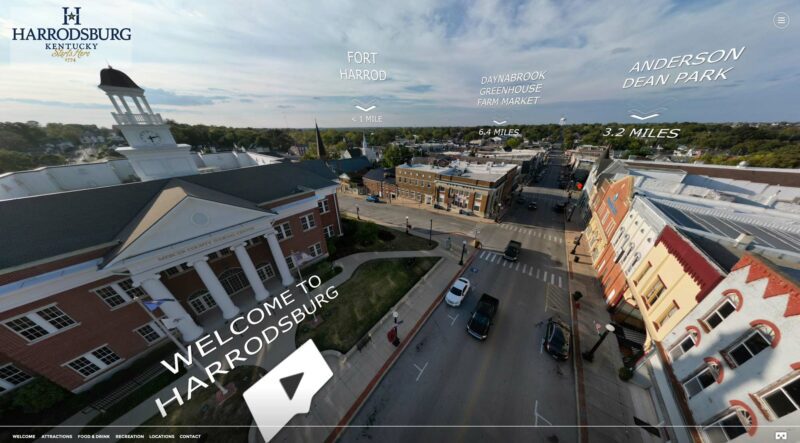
[(744, 240)]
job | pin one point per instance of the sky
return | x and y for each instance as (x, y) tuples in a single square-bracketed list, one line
[(277, 64)]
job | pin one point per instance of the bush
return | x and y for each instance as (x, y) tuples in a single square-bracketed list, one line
[(38, 395), (331, 244), (625, 373), (385, 235)]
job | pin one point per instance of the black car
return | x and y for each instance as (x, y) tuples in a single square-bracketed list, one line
[(557, 338), (532, 206), (481, 319)]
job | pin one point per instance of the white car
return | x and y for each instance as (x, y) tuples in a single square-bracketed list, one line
[(457, 293)]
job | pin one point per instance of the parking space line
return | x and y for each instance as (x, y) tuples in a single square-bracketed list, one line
[(421, 370), (552, 279), (453, 318), (530, 271), (537, 273), (545, 276), (517, 267), (504, 263), (483, 254), (559, 282), (493, 256), (524, 268)]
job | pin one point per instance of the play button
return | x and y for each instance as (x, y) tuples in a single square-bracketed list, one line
[(291, 383)]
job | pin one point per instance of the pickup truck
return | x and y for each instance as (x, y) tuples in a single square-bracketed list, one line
[(512, 250), (481, 319)]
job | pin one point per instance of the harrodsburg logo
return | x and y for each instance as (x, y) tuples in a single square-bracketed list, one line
[(71, 41)]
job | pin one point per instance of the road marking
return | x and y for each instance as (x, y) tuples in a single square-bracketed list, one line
[(552, 279), (545, 276), (530, 271), (537, 273), (483, 255), (504, 263), (537, 416), (421, 370), (541, 348), (559, 282), (517, 268), (492, 257), (453, 318), (524, 268)]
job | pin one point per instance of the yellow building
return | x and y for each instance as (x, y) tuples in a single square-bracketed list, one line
[(671, 280)]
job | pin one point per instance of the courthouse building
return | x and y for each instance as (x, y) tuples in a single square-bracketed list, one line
[(73, 261)]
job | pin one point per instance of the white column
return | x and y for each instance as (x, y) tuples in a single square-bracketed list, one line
[(138, 105), (114, 102), (250, 271), (125, 104), (280, 261), (189, 330), (229, 310)]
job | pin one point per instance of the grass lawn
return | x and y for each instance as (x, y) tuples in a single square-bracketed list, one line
[(374, 288), (323, 269), (387, 239), (203, 409)]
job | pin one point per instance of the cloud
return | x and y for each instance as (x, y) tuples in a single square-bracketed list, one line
[(56, 103), (419, 88), (163, 97)]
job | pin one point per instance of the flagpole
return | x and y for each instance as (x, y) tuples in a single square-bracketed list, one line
[(297, 265), (177, 342)]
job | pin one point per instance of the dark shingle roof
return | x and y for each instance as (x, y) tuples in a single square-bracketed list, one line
[(112, 77), (349, 165), (44, 226), (378, 174)]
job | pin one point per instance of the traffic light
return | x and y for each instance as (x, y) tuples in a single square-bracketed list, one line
[(579, 185)]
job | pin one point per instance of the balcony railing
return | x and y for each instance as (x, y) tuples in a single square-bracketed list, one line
[(138, 119)]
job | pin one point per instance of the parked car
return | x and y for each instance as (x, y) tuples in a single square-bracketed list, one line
[(557, 337), (532, 206), (457, 292), (512, 250), (373, 199), (481, 319)]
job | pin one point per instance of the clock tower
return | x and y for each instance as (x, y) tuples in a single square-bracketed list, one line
[(153, 152)]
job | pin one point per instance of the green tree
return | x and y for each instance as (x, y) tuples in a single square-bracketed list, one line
[(38, 395), (513, 143)]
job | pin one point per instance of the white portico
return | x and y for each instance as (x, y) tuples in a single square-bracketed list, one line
[(183, 226)]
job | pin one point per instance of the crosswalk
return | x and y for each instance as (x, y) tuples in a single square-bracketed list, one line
[(537, 233), (556, 301), (553, 278)]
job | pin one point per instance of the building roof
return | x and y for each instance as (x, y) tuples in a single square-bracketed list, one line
[(49, 225), (115, 78), (694, 261), (349, 165), (773, 176), (726, 256), (378, 174)]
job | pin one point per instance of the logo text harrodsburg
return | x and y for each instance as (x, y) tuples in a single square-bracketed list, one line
[(71, 41)]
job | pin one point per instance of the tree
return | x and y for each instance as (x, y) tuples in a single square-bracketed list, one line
[(38, 395), (395, 156), (366, 233), (513, 143)]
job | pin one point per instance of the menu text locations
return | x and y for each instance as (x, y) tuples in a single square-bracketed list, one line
[(518, 88), (365, 73), (685, 76)]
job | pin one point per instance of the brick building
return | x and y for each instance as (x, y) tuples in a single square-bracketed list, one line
[(73, 262)]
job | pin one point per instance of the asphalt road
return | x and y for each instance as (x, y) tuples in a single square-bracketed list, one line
[(450, 386)]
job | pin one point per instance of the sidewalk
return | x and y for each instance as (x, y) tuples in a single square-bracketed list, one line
[(606, 404)]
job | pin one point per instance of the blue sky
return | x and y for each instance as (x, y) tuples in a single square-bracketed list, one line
[(276, 64)]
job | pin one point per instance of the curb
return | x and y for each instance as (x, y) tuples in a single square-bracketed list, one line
[(577, 364), (356, 406)]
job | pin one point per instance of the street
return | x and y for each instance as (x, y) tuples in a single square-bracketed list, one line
[(448, 385)]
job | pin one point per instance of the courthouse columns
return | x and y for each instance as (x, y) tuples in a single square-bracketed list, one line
[(250, 272), (229, 310), (280, 261)]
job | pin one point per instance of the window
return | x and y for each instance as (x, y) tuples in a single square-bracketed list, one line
[(265, 271), (233, 280), (726, 308), (93, 362), (110, 296), (283, 231), (12, 375), (655, 291), (329, 232), (35, 325), (307, 222), (315, 249), (702, 379), (681, 348), (751, 345), (132, 291), (289, 262), (323, 206), (672, 311), (149, 333), (201, 302), (728, 427), (785, 399), (643, 274), (56, 317)]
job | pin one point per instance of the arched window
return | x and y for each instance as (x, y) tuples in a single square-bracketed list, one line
[(731, 302), (762, 336), (733, 423), (201, 301), (233, 280), (636, 258)]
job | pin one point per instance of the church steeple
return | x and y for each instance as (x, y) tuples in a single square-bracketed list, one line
[(320, 146)]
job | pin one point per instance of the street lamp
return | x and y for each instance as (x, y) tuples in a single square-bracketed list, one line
[(589, 355), (463, 251), (430, 234), (358, 213), (406, 224)]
